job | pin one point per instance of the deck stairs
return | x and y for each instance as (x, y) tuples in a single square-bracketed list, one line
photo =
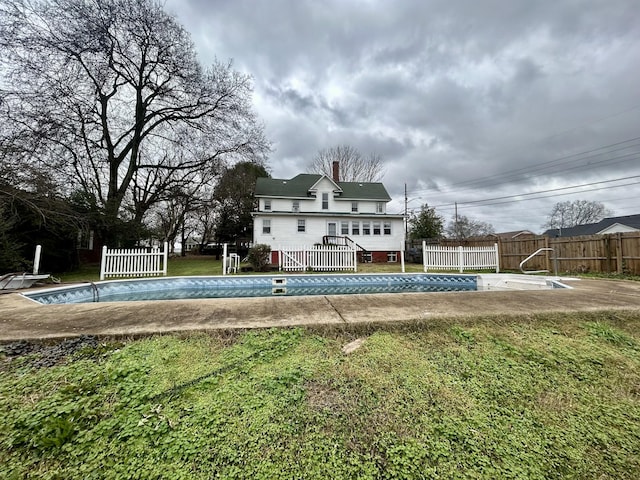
[(364, 256)]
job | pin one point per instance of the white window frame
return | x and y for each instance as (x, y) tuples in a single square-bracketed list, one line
[(355, 228), (302, 225), (366, 228), (392, 257), (386, 228), (376, 226), (267, 205), (344, 228), (354, 207), (266, 226), (379, 207), (325, 201), (295, 206)]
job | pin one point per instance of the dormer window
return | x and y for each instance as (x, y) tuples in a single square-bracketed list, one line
[(325, 201), (295, 206), (267, 205), (380, 207), (354, 206)]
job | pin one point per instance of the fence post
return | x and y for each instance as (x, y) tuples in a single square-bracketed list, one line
[(461, 258), (166, 257), (424, 255), (36, 259), (497, 258), (224, 259), (103, 262), (402, 245), (355, 259)]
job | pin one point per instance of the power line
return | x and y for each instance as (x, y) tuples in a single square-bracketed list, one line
[(478, 203), (549, 190), (578, 157)]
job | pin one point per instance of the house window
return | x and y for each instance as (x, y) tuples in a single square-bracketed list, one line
[(325, 201), (392, 257), (355, 228), (295, 206), (267, 205), (386, 227), (376, 228), (366, 228), (380, 207), (354, 206), (266, 227), (302, 226), (344, 228)]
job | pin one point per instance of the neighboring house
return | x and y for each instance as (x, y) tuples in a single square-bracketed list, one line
[(629, 223), (316, 209), (512, 235)]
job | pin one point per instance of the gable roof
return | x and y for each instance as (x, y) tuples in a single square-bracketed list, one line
[(512, 234), (632, 221), (301, 185)]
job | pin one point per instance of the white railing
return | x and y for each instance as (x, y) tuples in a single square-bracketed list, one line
[(133, 262), (436, 257), (319, 258)]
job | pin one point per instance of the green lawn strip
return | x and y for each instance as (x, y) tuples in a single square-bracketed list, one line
[(547, 396), (208, 265)]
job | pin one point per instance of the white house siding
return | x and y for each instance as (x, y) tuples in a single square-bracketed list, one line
[(617, 228), (284, 231), (314, 204)]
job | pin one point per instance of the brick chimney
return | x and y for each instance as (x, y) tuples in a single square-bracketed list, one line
[(336, 171)]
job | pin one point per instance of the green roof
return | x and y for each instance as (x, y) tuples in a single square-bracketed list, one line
[(299, 186)]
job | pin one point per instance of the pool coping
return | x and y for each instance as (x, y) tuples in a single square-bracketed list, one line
[(24, 319)]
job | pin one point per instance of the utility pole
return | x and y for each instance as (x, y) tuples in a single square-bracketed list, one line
[(406, 221), (456, 221)]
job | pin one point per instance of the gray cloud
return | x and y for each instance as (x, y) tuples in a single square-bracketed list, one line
[(464, 100)]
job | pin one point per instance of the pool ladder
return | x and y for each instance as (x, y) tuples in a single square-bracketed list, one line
[(547, 249)]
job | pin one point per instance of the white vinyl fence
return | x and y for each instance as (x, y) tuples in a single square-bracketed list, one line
[(436, 257), (319, 257), (133, 262)]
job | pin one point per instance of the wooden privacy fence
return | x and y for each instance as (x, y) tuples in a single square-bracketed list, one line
[(438, 257), (319, 257), (614, 253), (133, 262)]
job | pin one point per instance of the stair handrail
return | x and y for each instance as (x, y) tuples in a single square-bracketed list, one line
[(346, 241), (545, 249)]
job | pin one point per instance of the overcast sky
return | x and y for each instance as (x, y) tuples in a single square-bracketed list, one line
[(466, 101)]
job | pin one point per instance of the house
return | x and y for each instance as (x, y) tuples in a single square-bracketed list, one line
[(513, 235), (629, 223), (313, 209)]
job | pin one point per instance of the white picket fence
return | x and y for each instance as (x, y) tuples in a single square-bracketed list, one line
[(436, 257), (319, 257), (133, 262)]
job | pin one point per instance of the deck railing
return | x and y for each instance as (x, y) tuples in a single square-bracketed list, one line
[(133, 262), (436, 257), (319, 258)]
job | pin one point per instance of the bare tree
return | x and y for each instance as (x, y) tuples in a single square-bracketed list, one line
[(354, 167), (462, 227), (578, 212), (97, 91)]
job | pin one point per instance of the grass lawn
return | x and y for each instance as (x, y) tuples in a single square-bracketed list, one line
[(548, 396), (208, 265)]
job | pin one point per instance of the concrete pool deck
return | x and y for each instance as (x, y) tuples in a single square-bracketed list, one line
[(23, 319)]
